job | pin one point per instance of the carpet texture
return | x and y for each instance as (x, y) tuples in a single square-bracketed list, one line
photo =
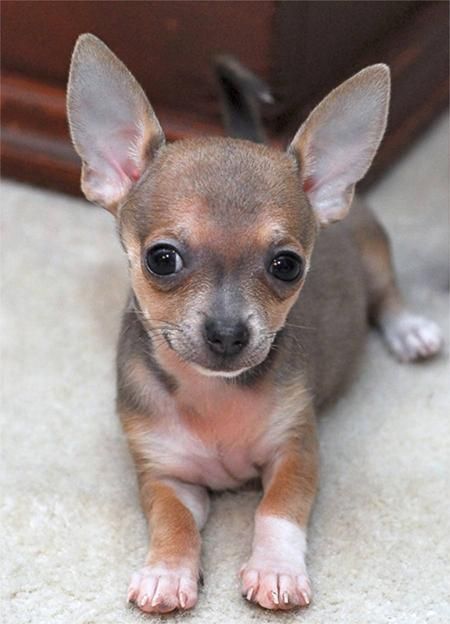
[(72, 528)]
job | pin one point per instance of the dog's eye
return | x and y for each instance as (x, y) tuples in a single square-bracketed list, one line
[(286, 266), (163, 260)]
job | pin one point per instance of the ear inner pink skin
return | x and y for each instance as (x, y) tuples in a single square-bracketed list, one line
[(117, 154), (121, 169), (135, 174), (309, 184)]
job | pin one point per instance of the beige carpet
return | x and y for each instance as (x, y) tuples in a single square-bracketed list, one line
[(72, 530)]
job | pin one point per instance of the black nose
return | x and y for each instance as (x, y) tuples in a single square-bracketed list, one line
[(226, 337)]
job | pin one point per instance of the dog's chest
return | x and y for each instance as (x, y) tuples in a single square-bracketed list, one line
[(216, 434)]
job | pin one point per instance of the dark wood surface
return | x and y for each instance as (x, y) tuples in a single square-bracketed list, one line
[(302, 49), (166, 45), (321, 44), (286, 47)]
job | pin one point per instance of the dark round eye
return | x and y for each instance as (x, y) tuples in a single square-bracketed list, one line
[(286, 266), (163, 260)]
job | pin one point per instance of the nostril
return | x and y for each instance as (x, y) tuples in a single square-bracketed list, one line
[(241, 335), (240, 342)]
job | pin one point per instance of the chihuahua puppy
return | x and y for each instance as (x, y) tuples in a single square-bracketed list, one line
[(246, 313)]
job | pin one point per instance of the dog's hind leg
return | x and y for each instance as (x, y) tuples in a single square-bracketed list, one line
[(409, 336)]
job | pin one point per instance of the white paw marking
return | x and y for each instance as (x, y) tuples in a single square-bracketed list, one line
[(275, 576), (273, 588), (161, 588), (412, 337)]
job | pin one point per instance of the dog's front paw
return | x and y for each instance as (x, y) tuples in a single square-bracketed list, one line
[(162, 588), (275, 586)]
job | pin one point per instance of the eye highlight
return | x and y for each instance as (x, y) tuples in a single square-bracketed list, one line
[(286, 266), (163, 259)]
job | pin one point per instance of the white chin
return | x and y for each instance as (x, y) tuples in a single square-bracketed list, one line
[(213, 373)]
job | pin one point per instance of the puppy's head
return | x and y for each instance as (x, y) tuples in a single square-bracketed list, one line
[(219, 232)]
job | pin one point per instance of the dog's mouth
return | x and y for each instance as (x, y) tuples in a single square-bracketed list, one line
[(209, 372), (217, 366)]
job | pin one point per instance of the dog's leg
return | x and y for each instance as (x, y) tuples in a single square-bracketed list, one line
[(176, 511), (408, 335), (275, 576)]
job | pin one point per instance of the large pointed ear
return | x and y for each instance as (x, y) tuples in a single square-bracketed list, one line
[(113, 126), (336, 144)]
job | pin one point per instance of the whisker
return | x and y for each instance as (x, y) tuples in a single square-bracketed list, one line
[(164, 322), (288, 324)]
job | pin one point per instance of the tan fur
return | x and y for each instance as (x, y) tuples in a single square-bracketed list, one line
[(174, 534), (290, 481)]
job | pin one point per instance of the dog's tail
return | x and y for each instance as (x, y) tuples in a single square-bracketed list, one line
[(241, 94)]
